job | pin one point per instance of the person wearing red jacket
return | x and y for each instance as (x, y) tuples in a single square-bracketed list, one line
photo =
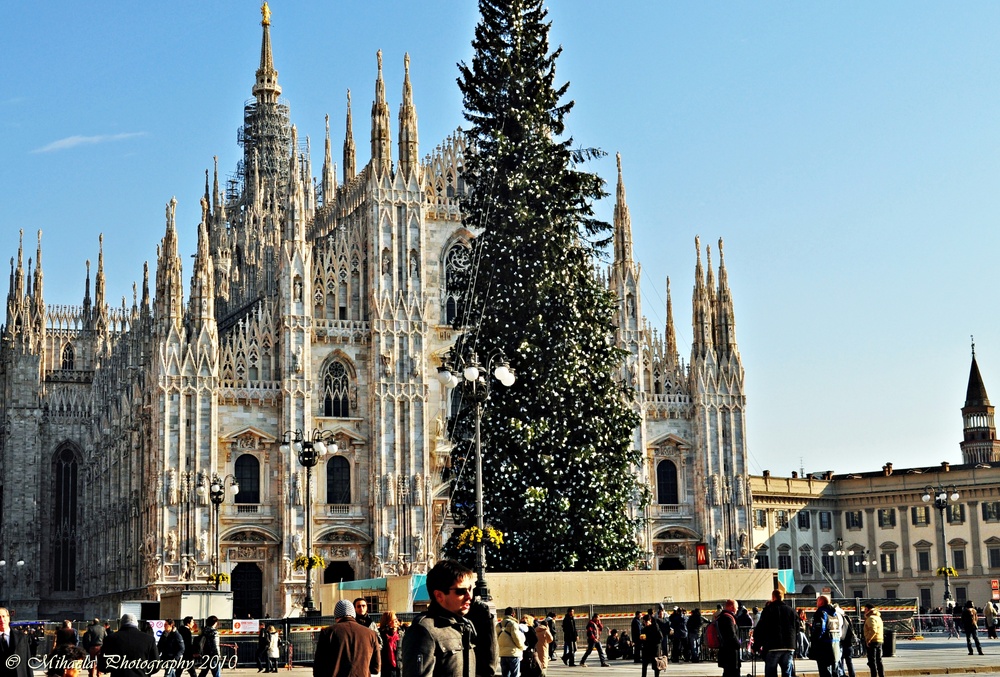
[(594, 630)]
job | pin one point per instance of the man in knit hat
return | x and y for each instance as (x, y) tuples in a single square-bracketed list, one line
[(346, 648)]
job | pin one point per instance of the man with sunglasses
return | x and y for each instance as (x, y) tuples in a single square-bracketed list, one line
[(441, 641)]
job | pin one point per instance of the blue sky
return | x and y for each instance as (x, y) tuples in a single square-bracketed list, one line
[(848, 153)]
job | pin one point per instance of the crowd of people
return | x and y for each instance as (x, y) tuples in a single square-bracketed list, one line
[(457, 636)]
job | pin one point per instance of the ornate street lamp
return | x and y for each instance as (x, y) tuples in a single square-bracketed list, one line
[(941, 498), (3, 575), (867, 564), (309, 450), (843, 555), (217, 494), (475, 383)]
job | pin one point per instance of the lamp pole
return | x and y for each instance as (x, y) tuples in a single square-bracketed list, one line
[(475, 382), (309, 450), (3, 576), (843, 554), (867, 564), (941, 497), (217, 494)]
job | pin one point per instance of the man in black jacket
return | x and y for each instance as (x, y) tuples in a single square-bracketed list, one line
[(569, 638), (170, 647), (636, 631), (775, 634), (441, 641), (188, 638), (729, 652), (14, 651), (129, 652)]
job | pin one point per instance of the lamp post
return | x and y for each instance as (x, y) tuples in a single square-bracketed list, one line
[(3, 575), (843, 555), (309, 450), (941, 498), (867, 564), (475, 382), (217, 494)]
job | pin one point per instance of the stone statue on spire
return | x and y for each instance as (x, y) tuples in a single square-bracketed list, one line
[(265, 13)]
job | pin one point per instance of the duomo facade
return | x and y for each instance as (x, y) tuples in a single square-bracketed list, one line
[(312, 304)]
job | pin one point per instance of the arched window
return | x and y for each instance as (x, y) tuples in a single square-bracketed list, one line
[(456, 263), (68, 356), (666, 483), (248, 477), (64, 535), (336, 386), (338, 481)]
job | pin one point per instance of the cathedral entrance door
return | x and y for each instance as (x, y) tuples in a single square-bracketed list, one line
[(671, 563), (336, 572), (248, 590)]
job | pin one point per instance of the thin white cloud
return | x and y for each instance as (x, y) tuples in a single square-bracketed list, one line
[(74, 141)]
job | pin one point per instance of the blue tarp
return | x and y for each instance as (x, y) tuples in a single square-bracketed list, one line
[(418, 589), (787, 578), (364, 584)]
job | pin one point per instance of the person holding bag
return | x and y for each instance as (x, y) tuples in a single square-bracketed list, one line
[(648, 645)]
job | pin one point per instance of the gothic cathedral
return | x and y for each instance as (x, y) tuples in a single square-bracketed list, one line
[(314, 307)]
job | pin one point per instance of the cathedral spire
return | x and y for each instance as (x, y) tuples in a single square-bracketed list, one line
[(350, 152), (671, 331), (701, 309), (216, 193), (623, 221), (408, 154), (169, 286), (380, 138), (38, 298), (266, 89), (100, 302), (979, 444), (726, 316), (329, 175), (201, 307)]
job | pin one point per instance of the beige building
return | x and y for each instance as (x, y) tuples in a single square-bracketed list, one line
[(883, 534)]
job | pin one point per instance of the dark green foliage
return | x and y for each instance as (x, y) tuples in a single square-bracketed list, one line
[(558, 451)]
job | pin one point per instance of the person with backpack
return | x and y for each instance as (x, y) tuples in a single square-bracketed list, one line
[(729, 640), (510, 644), (970, 621), (847, 640), (550, 623), (825, 649)]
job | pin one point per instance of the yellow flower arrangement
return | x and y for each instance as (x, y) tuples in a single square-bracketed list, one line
[(473, 536), (315, 562), (947, 571)]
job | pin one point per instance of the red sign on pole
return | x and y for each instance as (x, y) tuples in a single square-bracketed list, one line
[(995, 587), (702, 553)]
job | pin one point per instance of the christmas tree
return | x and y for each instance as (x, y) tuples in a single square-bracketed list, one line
[(559, 461)]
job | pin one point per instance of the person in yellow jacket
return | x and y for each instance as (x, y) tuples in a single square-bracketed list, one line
[(510, 644), (873, 639)]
